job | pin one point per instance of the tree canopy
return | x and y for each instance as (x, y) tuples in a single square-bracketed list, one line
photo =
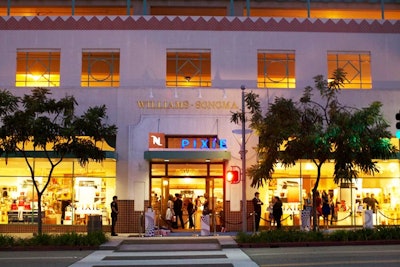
[(52, 127), (318, 128)]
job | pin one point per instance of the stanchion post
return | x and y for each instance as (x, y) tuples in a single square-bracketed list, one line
[(214, 223), (254, 221), (141, 222), (195, 220)]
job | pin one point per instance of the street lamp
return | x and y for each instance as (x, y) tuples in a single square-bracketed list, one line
[(243, 157)]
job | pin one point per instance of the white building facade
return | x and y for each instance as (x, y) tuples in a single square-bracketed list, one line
[(151, 93)]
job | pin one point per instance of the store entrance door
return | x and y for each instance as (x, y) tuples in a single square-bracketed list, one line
[(196, 189)]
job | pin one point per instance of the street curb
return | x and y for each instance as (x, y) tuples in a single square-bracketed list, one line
[(318, 244), (48, 248)]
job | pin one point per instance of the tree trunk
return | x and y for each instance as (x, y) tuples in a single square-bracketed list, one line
[(314, 210), (40, 224)]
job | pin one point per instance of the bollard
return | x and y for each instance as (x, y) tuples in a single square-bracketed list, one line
[(205, 225)]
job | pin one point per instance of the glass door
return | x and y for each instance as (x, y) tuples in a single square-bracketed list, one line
[(192, 182)]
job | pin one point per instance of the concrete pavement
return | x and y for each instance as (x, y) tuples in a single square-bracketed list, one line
[(183, 249)]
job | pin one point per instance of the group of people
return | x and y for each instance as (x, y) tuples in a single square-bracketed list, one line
[(370, 202), (275, 210), (174, 212), (325, 206)]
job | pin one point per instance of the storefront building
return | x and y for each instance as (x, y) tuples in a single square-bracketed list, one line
[(170, 84)]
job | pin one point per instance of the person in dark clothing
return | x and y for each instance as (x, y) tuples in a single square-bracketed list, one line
[(277, 211), (373, 203), (326, 210), (206, 208), (257, 203), (366, 201), (190, 210), (114, 215), (178, 210)]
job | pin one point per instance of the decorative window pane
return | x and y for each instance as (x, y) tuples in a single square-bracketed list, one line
[(276, 69), (38, 68), (357, 65), (100, 68), (188, 68)]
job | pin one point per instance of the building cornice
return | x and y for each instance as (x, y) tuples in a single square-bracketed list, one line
[(174, 23)]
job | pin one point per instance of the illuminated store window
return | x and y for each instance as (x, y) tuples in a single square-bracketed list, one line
[(277, 12), (276, 69), (188, 68), (325, 12), (357, 66), (73, 194), (64, 10), (38, 68), (188, 11), (100, 68)]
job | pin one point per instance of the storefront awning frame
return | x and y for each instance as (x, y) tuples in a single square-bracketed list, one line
[(169, 154)]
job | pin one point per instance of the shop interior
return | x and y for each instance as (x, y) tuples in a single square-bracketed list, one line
[(348, 198), (198, 182), (73, 193)]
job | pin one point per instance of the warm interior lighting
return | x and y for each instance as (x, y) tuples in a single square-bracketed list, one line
[(67, 11), (34, 77), (322, 13), (279, 83), (309, 166), (47, 80)]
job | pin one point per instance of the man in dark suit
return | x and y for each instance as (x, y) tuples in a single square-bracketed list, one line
[(257, 203), (178, 210)]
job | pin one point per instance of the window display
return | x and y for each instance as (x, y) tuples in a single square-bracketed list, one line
[(65, 201)]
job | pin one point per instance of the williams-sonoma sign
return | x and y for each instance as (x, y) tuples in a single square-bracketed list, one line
[(227, 105)]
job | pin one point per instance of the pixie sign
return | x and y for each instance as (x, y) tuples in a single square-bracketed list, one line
[(160, 140), (203, 143)]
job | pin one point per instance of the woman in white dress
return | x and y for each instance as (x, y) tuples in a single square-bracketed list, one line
[(169, 214)]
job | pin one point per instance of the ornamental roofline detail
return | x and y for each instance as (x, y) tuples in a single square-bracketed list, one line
[(196, 23)]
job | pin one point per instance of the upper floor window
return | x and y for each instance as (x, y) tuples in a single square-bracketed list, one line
[(188, 68), (357, 66), (100, 68), (38, 68), (188, 11), (276, 69)]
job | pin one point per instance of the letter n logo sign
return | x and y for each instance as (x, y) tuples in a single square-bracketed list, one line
[(156, 140)]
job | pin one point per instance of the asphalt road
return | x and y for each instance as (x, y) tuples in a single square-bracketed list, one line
[(41, 258), (349, 256), (335, 256)]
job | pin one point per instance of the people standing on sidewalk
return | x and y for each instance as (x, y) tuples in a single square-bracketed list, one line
[(366, 201), (114, 215), (169, 214), (257, 203), (178, 210), (277, 211), (206, 208), (270, 211), (326, 210), (191, 210), (373, 203)]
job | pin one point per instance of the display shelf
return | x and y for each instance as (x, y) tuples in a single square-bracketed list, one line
[(26, 217)]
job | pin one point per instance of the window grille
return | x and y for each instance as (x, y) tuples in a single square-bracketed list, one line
[(357, 66), (100, 68), (276, 69), (188, 68), (38, 68)]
